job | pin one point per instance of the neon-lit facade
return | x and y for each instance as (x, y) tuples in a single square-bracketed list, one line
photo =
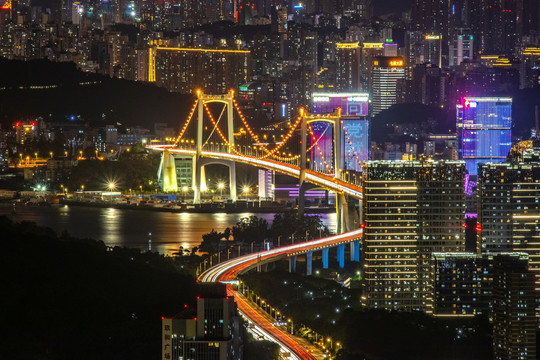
[(351, 104), (484, 126), (355, 137)]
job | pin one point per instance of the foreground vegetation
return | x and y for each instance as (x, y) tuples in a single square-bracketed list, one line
[(67, 298)]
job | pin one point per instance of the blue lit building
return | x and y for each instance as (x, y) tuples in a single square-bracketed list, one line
[(484, 126)]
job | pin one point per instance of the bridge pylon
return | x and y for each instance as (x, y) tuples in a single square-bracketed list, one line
[(341, 201), (198, 164)]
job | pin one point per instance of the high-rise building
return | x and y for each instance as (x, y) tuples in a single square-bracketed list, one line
[(461, 284), (210, 332), (484, 126), (184, 70), (386, 73), (514, 322), (370, 50), (461, 47), (348, 67), (509, 210), (499, 27), (529, 71), (411, 210), (433, 50)]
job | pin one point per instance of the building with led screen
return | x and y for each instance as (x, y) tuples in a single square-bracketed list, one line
[(355, 130), (484, 126)]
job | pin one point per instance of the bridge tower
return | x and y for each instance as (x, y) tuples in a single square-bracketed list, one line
[(341, 200), (198, 163)]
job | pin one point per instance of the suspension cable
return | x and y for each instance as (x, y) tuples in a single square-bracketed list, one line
[(318, 148), (217, 123), (184, 128)]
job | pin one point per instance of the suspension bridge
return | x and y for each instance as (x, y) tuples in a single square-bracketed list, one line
[(217, 132)]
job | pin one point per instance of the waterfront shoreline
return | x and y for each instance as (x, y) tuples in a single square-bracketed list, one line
[(196, 210)]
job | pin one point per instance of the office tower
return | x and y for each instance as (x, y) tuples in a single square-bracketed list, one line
[(211, 332), (484, 126), (348, 67), (386, 73), (184, 70), (462, 47), (529, 72), (461, 284), (411, 209), (514, 322), (433, 49)]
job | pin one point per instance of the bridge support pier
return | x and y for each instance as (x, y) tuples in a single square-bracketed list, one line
[(325, 252), (355, 251), (199, 178), (292, 263), (167, 172), (309, 263), (232, 181), (342, 213), (341, 255)]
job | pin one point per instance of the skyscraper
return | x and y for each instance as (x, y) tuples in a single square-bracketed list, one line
[(411, 209), (386, 73), (370, 50), (433, 49), (514, 322), (348, 67), (484, 126), (509, 210), (529, 71)]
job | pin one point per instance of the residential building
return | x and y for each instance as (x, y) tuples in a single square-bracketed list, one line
[(411, 210), (514, 322)]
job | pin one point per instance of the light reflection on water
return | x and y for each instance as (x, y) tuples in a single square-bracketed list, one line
[(119, 227)]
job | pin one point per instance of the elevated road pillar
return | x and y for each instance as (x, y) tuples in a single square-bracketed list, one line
[(325, 252), (356, 256), (309, 263), (341, 255), (292, 263)]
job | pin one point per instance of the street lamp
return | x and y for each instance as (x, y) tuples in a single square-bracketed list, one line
[(220, 187), (246, 191), (184, 190), (111, 187)]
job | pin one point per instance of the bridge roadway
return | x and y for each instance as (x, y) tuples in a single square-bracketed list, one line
[(228, 270), (326, 181)]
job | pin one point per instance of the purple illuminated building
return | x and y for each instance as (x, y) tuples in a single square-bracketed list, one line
[(351, 104), (355, 137), (484, 126)]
